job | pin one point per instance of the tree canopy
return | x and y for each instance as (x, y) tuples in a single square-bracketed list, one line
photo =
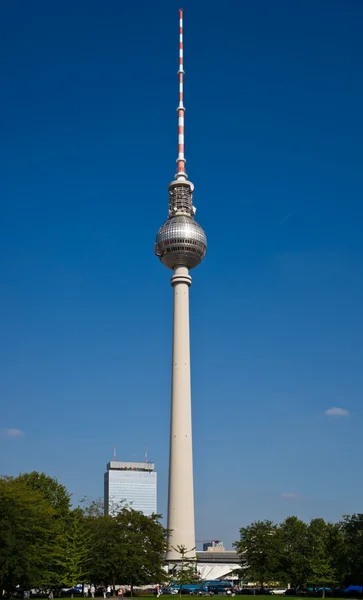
[(260, 545), (293, 552), (44, 542), (53, 492), (26, 535), (127, 548)]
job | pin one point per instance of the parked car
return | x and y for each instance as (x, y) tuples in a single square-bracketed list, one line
[(279, 592), (221, 590), (76, 590), (187, 588)]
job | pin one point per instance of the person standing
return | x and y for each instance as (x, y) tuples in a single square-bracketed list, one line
[(93, 589), (85, 591), (108, 591)]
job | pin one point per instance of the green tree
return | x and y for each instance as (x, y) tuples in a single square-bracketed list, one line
[(127, 547), (27, 535), (185, 571), (107, 551), (144, 542), (76, 551), (294, 534), (260, 548), (320, 561), (58, 498), (352, 530), (338, 551)]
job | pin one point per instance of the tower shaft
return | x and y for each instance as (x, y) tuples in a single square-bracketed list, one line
[(181, 245), (181, 491)]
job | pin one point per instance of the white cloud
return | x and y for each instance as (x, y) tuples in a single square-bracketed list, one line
[(11, 433), (289, 496), (337, 412)]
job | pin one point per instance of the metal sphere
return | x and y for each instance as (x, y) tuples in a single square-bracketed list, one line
[(181, 242)]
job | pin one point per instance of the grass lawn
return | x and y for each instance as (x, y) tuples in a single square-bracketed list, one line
[(236, 597)]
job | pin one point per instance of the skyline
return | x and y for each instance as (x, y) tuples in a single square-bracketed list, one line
[(273, 141)]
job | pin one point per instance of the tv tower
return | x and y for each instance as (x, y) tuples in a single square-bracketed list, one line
[(181, 245)]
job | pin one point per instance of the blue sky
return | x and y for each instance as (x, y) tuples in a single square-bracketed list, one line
[(274, 129)]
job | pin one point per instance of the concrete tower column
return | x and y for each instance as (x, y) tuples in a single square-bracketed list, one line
[(181, 245), (181, 493)]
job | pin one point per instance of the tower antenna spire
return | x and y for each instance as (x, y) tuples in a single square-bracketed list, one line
[(181, 174), (114, 453)]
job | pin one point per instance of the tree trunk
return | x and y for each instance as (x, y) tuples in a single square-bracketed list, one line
[(323, 592), (132, 589)]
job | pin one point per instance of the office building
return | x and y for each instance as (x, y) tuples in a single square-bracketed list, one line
[(132, 484)]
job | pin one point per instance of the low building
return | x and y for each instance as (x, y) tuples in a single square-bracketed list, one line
[(218, 563), (213, 546)]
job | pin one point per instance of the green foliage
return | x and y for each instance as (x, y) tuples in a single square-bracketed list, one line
[(92, 508), (352, 554), (75, 551), (44, 543), (186, 570), (145, 544), (27, 535), (127, 548), (337, 550), (53, 492), (58, 498), (321, 571), (261, 551), (298, 553), (295, 565), (107, 551)]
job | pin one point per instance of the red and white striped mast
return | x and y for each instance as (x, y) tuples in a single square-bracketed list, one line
[(181, 174)]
